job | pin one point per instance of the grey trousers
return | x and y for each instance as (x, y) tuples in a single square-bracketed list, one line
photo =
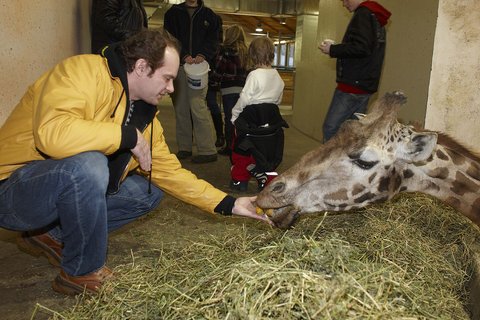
[(193, 117)]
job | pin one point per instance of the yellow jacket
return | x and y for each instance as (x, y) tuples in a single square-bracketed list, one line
[(68, 111)]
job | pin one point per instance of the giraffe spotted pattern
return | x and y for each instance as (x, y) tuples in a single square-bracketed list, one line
[(371, 160)]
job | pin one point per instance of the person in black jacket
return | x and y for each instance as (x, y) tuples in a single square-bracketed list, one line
[(359, 62), (115, 20), (197, 28)]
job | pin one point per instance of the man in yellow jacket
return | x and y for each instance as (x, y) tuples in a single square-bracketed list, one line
[(83, 154)]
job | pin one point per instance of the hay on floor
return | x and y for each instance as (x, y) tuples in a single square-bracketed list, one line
[(406, 259)]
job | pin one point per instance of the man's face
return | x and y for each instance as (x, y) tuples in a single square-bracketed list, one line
[(351, 5), (191, 3), (151, 88)]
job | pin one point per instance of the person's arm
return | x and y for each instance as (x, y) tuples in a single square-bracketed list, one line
[(171, 23), (108, 17), (245, 97), (280, 85), (168, 174), (71, 97), (243, 206), (217, 68), (211, 40), (360, 38)]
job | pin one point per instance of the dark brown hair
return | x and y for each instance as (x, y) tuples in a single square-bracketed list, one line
[(149, 45), (261, 51)]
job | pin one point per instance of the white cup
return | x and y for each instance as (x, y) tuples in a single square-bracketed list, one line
[(328, 41)]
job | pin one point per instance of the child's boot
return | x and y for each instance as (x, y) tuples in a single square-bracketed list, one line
[(241, 186)]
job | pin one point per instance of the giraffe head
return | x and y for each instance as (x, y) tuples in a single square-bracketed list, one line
[(365, 162)]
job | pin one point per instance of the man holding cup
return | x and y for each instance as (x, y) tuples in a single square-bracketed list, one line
[(359, 62)]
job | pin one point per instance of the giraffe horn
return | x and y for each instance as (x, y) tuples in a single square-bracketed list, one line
[(386, 108)]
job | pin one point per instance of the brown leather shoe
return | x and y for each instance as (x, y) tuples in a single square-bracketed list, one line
[(89, 283), (41, 244)]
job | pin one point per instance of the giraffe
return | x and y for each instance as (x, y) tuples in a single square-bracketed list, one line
[(371, 160)]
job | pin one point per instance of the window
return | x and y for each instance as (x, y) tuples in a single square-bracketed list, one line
[(284, 54), (290, 54)]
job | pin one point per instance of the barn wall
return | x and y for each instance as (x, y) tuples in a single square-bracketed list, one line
[(435, 62), (35, 36), (407, 63), (454, 94)]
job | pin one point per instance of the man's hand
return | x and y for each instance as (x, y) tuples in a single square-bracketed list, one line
[(325, 46), (199, 59), (141, 152), (189, 60), (244, 206)]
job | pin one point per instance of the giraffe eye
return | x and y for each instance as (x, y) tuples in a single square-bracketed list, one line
[(278, 187), (365, 165)]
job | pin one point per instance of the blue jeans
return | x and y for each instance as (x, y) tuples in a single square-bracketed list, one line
[(343, 107), (212, 102), (229, 101), (68, 198)]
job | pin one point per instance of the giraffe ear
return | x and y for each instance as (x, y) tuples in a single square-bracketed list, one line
[(419, 147)]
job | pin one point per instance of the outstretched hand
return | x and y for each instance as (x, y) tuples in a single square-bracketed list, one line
[(245, 206)]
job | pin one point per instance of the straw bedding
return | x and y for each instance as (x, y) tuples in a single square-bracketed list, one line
[(407, 259)]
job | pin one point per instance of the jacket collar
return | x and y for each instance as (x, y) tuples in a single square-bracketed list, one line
[(116, 64), (183, 5)]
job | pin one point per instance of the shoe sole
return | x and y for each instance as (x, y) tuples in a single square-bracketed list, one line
[(68, 288), (204, 160), (37, 249), (184, 156), (238, 189)]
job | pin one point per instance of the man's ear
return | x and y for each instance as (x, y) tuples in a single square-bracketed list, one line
[(418, 147), (141, 67)]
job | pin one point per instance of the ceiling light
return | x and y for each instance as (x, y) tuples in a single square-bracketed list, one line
[(259, 28), (283, 21)]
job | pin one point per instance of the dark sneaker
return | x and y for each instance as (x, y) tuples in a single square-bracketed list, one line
[(89, 283), (226, 151), (42, 244), (183, 155), (264, 182), (263, 178), (241, 186), (204, 158), (220, 142)]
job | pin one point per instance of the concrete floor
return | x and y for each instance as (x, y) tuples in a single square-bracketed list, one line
[(296, 143)]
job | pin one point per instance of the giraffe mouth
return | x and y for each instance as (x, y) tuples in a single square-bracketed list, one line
[(281, 217), (271, 212)]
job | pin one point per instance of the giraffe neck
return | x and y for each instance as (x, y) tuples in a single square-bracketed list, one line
[(451, 176)]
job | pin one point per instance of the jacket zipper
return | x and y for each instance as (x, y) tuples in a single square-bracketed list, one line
[(191, 30)]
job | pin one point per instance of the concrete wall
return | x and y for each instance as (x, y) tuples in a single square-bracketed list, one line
[(35, 36), (313, 79), (436, 62), (432, 55), (408, 60), (454, 93), (410, 36)]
